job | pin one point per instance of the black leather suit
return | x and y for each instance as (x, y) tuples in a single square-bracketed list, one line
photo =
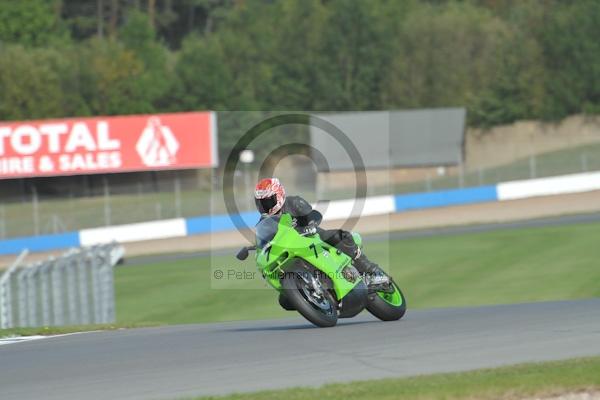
[(303, 215)]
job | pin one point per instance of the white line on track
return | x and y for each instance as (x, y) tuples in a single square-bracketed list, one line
[(21, 339)]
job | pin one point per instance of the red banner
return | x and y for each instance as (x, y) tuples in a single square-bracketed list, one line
[(108, 144)]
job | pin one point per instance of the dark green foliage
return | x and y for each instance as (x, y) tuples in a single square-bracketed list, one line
[(503, 60), (139, 37), (39, 83), (570, 37), (31, 22)]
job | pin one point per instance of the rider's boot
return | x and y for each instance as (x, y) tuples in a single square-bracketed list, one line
[(374, 276)]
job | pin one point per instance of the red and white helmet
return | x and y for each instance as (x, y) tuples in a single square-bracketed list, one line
[(269, 196)]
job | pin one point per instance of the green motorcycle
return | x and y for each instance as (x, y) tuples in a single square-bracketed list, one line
[(316, 279)]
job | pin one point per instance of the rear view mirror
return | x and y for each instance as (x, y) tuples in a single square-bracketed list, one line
[(242, 254)]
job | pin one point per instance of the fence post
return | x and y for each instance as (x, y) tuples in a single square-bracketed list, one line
[(45, 292), (22, 292), (158, 210), (71, 289), (82, 284), (249, 188), (96, 288), (6, 305), (177, 197), (109, 286), (57, 292), (532, 167), (2, 222), (480, 173), (106, 202), (428, 182), (36, 211), (584, 162), (32, 295)]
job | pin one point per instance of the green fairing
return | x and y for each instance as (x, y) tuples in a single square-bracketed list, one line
[(357, 239), (394, 298), (288, 244)]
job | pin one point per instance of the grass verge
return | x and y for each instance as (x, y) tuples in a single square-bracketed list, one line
[(514, 382), (499, 267)]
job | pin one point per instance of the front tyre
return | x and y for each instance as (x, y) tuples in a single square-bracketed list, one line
[(307, 294), (387, 306)]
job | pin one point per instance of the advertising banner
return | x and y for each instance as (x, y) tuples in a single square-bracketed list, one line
[(108, 144)]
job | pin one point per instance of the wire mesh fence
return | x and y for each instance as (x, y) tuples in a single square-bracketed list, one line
[(76, 288), (110, 201)]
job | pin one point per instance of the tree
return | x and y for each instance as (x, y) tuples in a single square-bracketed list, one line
[(569, 39), (32, 23), (503, 60), (297, 57), (517, 91), (139, 37), (38, 83), (202, 79), (445, 56), (109, 79), (354, 60)]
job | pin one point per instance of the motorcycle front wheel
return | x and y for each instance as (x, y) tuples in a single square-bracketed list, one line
[(304, 289), (387, 306)]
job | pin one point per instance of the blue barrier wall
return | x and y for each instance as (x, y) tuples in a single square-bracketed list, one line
[(443, 198), (220, 223), (40, 243)]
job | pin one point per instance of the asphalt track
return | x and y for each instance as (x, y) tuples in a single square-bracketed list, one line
[(176, 361)]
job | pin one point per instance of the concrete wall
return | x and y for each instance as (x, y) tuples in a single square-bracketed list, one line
[(490, 148), (507, 143)]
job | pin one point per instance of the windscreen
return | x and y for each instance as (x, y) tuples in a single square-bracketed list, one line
[(266, 230)]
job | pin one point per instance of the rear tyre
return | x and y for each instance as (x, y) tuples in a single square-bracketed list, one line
[(387, 306), (315, 303)]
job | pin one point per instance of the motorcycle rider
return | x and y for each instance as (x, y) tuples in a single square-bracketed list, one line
[(271, 200)]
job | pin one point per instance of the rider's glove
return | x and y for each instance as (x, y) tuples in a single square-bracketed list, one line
[(309, 230), (358, 253)]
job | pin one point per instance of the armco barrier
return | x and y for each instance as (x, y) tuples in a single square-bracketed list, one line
[(75, 288), (335, 210)]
